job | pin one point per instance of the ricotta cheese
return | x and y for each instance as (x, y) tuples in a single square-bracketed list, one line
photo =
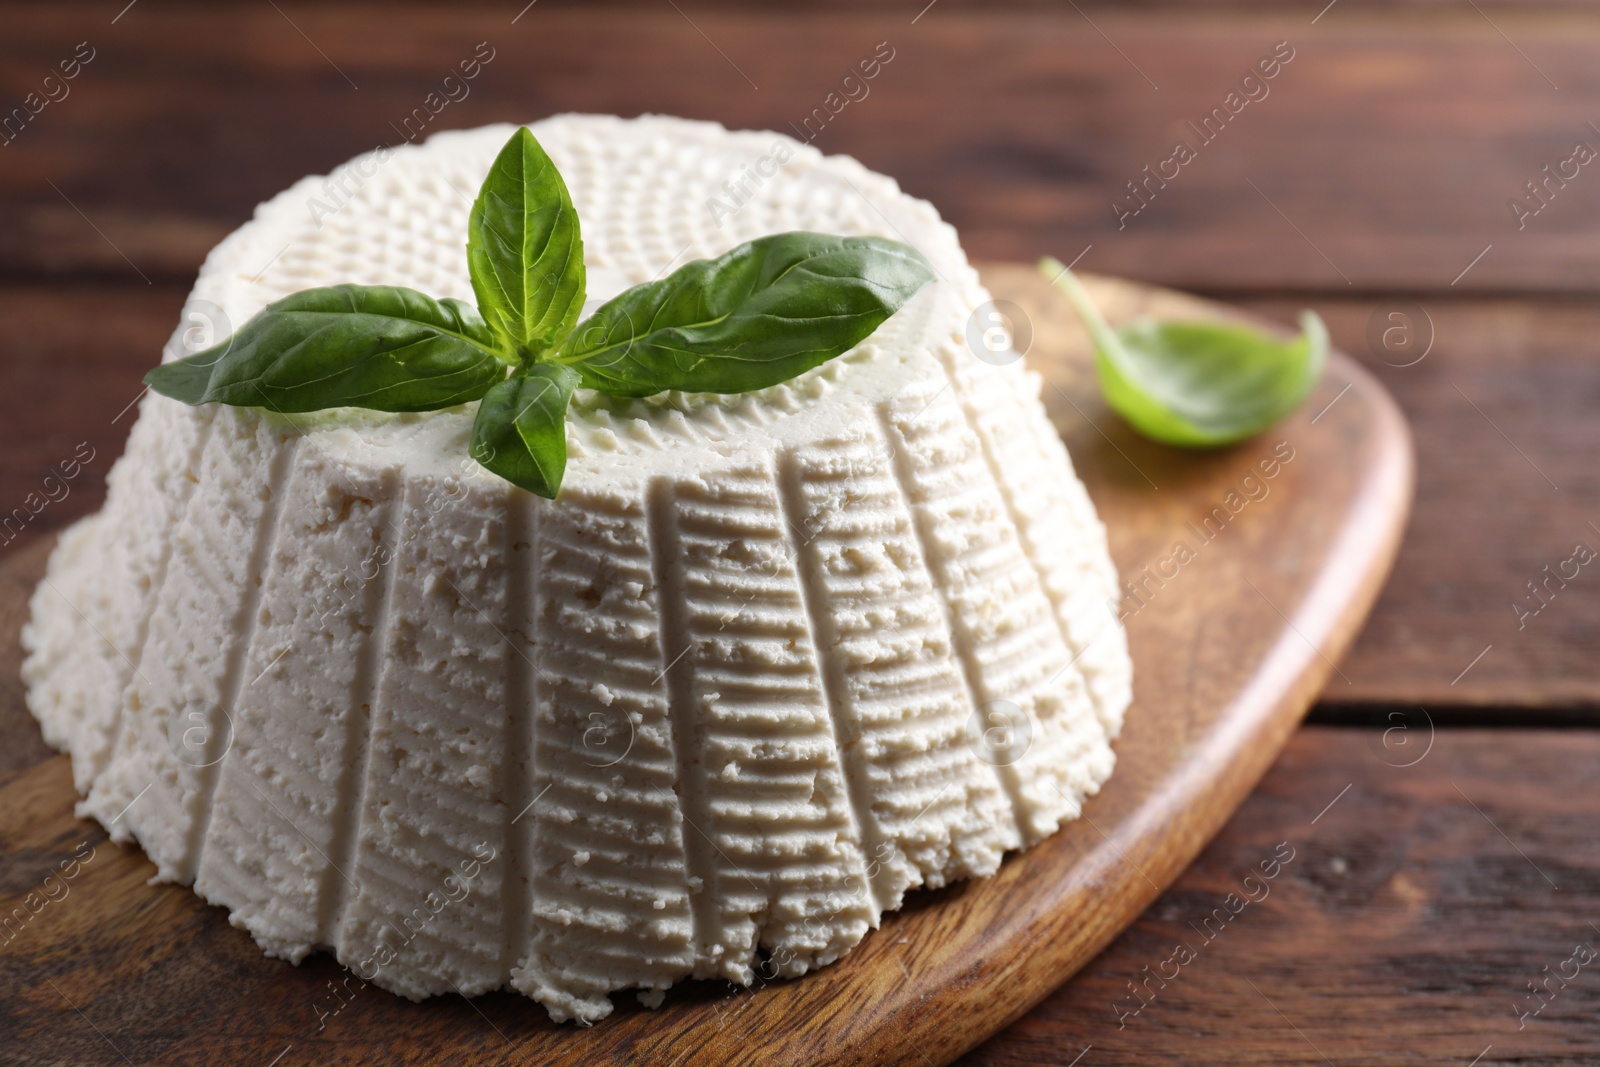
[(770, 661)]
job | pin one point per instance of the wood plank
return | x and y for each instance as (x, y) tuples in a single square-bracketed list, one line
[(23, 747), (1405, 929), (1503, 408), (1225, 667), (74, 356), (1391, 144)]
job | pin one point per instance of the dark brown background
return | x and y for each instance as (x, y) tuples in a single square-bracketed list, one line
[(1376, 171)]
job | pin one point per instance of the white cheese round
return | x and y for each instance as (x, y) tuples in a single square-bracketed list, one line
[(770, 660)]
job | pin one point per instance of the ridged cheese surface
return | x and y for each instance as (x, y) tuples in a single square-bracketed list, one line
[(770, 661)]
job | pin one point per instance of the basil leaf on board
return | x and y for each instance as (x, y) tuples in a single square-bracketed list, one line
[(751, 318), (520, 432), (1198, 384), (380, 347), (524, 249)]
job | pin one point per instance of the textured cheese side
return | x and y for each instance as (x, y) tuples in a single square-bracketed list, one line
[(101, 588), (930, 809), (437, 762), (611, 890), (188, 676), (281, 824), (771, 661)]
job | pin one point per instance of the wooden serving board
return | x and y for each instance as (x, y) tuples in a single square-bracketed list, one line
[(1233, 636)]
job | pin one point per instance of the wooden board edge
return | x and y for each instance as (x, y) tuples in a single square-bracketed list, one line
[(1307, 655)]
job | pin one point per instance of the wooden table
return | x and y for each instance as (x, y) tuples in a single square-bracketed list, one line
[(1442, 801)]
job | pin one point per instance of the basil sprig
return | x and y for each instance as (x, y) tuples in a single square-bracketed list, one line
[(1197, 384), (754, 317)]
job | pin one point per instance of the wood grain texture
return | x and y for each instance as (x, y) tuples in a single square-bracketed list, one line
[(23, 747), (1383, 156), (1229, 650), (1404, 931), (73, 357), (1506, 436)]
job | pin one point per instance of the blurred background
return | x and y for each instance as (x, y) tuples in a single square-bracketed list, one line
[(1422, 174)]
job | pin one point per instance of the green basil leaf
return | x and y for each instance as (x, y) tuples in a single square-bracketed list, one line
[(187, 379), (753, 317), (520, 432), (1198, 384), (380, 347), (524, 249)]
